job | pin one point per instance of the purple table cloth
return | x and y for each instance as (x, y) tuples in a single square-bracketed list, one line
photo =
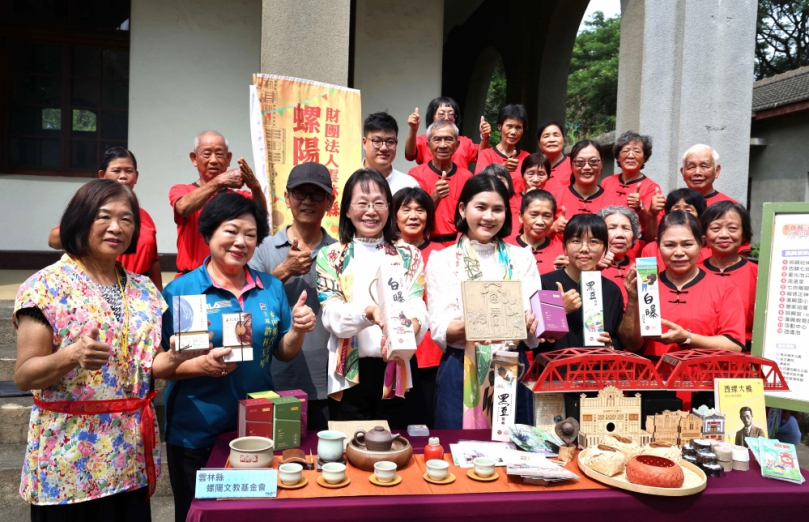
[(736, 496)]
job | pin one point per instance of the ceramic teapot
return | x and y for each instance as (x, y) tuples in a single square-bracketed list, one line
[(377, 439)]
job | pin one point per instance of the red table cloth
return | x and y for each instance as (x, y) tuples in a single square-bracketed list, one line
[(736, 496)]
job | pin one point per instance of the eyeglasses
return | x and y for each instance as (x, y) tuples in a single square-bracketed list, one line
[(299, 195), (390, 143), (578, 244), (634, 152), (593, 162), (449, 115), (364, 206)]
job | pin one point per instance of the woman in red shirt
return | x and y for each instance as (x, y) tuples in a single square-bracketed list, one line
[(687, 200), (535, 171), (551, 142), (726, 226), (536, 216), (511, 122), (584, 195), (623, 230), (697, 311), (444, 108), (415, 218)]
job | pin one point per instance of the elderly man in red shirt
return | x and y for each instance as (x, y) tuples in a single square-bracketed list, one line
[(442, 179), (700, 170), (212, 158)]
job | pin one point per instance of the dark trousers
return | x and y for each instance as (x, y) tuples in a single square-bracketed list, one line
[(183, 466), (427, 385), (364, 401), (318, 415), (121, 507)]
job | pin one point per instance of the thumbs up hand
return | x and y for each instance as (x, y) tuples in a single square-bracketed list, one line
[(485, 129), (633, 200), (561, 222), (299, 259), (658, 202), (512, 162), (303, 318), (90, 353), (441, 188), (414, 119), (571, 298)]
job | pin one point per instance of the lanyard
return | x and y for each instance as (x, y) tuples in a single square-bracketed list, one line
[(124, 306)]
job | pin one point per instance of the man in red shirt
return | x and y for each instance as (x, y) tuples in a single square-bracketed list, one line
[(211, 157), (442, 179), (700, 170)]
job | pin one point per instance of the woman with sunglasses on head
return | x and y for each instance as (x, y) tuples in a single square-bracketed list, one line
[(726, 226), (463, 393), (360, 375), (444, 108), (415, 219), (697, 311)]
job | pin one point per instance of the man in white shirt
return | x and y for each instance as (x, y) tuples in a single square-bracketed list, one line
[(379, 143)]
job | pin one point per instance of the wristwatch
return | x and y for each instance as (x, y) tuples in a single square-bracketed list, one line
[(687, 341)]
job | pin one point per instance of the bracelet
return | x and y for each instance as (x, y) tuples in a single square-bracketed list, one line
[(482, 137)]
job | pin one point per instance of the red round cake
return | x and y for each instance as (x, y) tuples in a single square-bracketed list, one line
[(654, 471)]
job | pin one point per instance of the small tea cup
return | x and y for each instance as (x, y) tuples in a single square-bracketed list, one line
[(334, 472), (290, 474), (437, 469), (484, 467), (385, 471)]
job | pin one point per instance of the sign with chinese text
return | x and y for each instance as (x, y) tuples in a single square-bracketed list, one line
[(648, 297), (592, 304), (307, 121), (236, 483), (506, 377), (781, 327)]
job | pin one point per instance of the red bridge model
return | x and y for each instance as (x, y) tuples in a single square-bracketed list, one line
[(590, 369)]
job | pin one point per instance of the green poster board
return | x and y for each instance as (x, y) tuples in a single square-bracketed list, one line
[(781, 326)]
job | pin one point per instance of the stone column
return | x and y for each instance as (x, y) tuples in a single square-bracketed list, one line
[(688, 80), (306, 39)]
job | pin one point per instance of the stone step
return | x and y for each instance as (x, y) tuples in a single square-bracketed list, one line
[(15, 413), (11, 459)]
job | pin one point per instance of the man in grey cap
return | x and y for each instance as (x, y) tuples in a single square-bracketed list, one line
[(289, 255)]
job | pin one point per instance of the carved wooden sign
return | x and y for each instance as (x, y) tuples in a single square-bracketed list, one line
[(493, 311)]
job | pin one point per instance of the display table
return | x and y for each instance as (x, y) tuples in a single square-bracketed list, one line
[(738, 495)]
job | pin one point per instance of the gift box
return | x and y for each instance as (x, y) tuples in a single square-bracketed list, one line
[(392, 296), (592, 304), (263, 395), (504, 393), (298, 394), (254, 414), (549, 309), (258, 429), (287, 434), (190, 323), (648, 297), (286, 408), (237, 334)]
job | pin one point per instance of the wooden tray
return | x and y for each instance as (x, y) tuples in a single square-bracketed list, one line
[(695, 481)]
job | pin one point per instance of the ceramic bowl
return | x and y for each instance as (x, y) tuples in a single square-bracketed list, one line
[(290, 473), (251, 452), (437, 469), (385, 471), (334, 472), (400, 454), (484, 467)]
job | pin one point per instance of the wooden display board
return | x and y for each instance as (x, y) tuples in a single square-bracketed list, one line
[(781, 326), (493, 310)]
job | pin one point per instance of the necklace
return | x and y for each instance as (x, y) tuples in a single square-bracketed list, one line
[(125, 309)]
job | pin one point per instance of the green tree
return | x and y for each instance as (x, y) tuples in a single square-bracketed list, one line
[(592, 86), (495, 100), (782, 36)]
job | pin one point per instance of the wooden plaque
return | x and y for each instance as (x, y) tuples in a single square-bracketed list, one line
[(493, 310)]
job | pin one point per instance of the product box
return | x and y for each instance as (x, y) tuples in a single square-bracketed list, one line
[(237, 334), (304, 424), (287, 408), (255, 412), (190, 322), (263, 395), (298, 394), (258, 429), (392, 294), (287, 434), (592, 305), (549, 309), (648, 297), (504, 394)]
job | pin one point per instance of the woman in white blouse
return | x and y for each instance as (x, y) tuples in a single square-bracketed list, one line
[(360, 376), (483, 219)]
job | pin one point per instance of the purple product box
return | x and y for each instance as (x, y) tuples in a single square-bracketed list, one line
[(549, 309), (298, 394)]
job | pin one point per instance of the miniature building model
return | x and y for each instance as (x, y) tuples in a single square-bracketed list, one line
[(713, 426), (610, 413), (674, 427)]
